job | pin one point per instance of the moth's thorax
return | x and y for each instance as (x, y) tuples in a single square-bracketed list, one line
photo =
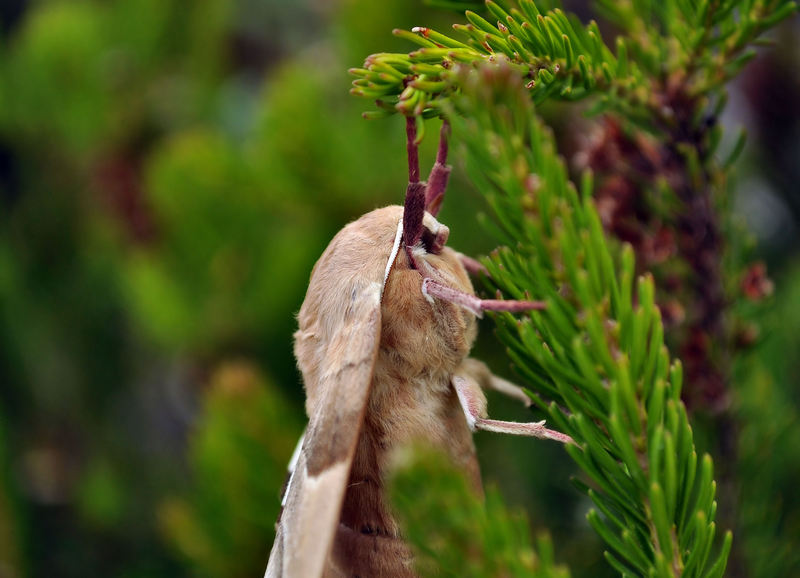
[(423, 335)]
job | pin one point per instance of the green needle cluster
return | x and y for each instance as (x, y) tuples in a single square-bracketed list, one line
[(555, 54), (595, 357)]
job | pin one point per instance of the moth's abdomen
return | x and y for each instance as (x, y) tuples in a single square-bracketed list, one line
[(358, 554), (402, 412)]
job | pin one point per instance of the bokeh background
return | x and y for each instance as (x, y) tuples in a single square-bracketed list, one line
[(169, 172)]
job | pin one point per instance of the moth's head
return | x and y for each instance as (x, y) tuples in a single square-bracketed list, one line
[(434, 235), (428, 238)]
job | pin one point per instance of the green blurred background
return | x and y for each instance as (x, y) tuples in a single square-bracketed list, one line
[(169, 172)]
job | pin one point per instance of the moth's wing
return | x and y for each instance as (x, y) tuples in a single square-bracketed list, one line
[(315, 491)]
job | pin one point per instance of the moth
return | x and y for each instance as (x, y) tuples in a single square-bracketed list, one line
[(383, 344)]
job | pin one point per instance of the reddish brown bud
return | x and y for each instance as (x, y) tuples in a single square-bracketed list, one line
[(756, 284)]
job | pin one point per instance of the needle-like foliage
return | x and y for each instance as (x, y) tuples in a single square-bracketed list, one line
[(700, 44), (597, 358), (597, 351)]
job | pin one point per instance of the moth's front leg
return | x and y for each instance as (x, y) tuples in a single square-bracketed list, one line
[(440, 174), (432, 288), (473, 403)]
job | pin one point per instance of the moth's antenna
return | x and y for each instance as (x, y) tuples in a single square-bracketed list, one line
[(414, 209), (437, 180)]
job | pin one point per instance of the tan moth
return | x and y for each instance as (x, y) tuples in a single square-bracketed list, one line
[(383, 342)]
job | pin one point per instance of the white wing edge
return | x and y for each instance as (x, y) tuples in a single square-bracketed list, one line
[(291, 467), (398, 237)]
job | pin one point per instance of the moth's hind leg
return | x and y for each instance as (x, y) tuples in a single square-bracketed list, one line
[(290, 469), (473, 402)]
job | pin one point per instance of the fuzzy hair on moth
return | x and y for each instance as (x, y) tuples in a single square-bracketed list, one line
[(383, 344)]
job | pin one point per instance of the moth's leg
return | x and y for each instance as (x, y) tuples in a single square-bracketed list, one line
[(431, 289), (473, 266), (471, 398), (414, 209), (487, 380), (440, 174), (412, 150), (421, 197), (474, 405), (534, 430)]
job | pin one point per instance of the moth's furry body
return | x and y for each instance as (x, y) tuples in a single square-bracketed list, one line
[(421, 345), (384, 334)]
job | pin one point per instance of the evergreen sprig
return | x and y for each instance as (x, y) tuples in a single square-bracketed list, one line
[(672, 49), (596, 357), (597, 350), (555, 54), (706, 42)]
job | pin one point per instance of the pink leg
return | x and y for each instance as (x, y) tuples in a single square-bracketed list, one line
[(440, 174), (414, 209), (431, 288), (535, 430), (411, 149), (509, 389), (473, 266), (413, 213), (474, 405), (479, 372)]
